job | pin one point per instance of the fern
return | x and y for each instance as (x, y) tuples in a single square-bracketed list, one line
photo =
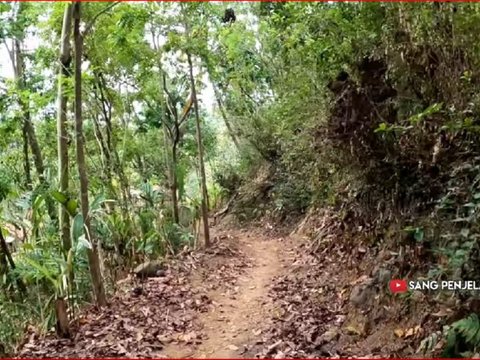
[(462, 338), (469, 327), (429, 343)]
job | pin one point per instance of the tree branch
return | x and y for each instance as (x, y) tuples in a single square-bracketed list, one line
[(170, 102), (89, 26), (186, 111)]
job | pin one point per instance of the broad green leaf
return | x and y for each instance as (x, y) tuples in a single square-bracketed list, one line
[(59, 196), (97, 202), (77, 227)]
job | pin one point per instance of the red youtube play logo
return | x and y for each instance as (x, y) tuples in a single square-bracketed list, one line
[(398, 286)]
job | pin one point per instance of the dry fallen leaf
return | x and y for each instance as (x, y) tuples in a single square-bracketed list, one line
[(409, 332), (360, 280), (352, 330), (442, 313)]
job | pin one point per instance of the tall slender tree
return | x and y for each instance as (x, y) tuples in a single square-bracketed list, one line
[(17, 57), (92, 251), (221, 108), (203, 177), (64, 72), (173, 131), (19, 72)]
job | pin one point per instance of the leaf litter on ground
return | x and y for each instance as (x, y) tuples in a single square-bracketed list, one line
[(142, 318)]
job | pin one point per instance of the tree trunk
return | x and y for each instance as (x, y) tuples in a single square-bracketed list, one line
[(174, 185), (104, 150), (28, 129), (93, 258), (171, 162), (26, 159), (32, 138), (225, 118), (113, 159), (62, 326), (64, 72), (107, 143), (4, 250), (203, 178)]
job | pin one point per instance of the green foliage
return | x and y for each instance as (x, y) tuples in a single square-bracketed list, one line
[(466, 330), (462, 339), (228, 178), (70, 204), (431, 342), (417, 232), (16, 316), (5, 184)]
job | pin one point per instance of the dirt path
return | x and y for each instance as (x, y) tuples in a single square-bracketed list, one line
[(250, 293), (236, 318)]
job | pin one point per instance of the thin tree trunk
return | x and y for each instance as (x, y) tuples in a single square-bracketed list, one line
[(114, 161), (105, 145), (32, 138), (93, 258), (34, 146), (108, 144), (6, 252), (26, 158), (97, 131), (174, 185), (171, 159), (203, 178), (225, 118), (64, 72), (28, 130), (171, 162), (19, 75), (63, 326)]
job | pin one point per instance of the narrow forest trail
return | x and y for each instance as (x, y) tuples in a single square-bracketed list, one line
[(210, 303), (236, 319), (253, 293)]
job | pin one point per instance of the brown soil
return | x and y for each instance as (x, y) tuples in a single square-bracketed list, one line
[(236, 319), (253, 293)]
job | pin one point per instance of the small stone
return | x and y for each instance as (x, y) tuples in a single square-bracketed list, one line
[(152, 268), (382, 276), (329, 335), (360, 295)]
